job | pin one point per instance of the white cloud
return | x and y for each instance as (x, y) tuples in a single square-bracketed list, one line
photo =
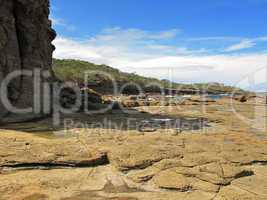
[(62, 23), (57, 21), (119, 36), (67, 48), (166, 34), (215, 38), (134, 50), (116, 44), (210, 68), (262, 38), (245, 44)]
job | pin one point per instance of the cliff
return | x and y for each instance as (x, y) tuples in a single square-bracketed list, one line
[(25, 44)]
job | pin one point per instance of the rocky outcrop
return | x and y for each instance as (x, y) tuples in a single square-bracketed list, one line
[(26, 151), (129, 166), (25, 44), (225, 162)]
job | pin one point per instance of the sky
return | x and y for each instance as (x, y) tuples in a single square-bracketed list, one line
[(183, 40)]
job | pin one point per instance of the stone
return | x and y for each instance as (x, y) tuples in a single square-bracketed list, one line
[(143, 175), (139, 156), (25, 44), (198, 184), (256, 184), (169, 179), (224, 162), (26, 151)]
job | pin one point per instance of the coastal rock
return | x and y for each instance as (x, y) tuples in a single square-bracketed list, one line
[(169, 179), (225, 161), (139, 156), (25, 44), (26, 151)]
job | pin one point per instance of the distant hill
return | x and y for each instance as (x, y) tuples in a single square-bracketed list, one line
[(74, 70)]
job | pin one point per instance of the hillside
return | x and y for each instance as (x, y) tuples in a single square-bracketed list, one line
[(74, 70)]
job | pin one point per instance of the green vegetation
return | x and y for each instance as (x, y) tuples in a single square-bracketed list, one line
[(74, 70)]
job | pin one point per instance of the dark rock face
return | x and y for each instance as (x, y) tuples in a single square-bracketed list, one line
[(25, 44)]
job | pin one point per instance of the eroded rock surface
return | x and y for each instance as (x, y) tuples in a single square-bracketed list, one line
[(131, 166), (227, 161), (25, 44), (25, 151)]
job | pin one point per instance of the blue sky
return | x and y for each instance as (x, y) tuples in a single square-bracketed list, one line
[(198, 41)]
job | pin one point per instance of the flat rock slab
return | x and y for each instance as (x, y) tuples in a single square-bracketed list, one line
[(22, 150), (99, 183), (220, 164)]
